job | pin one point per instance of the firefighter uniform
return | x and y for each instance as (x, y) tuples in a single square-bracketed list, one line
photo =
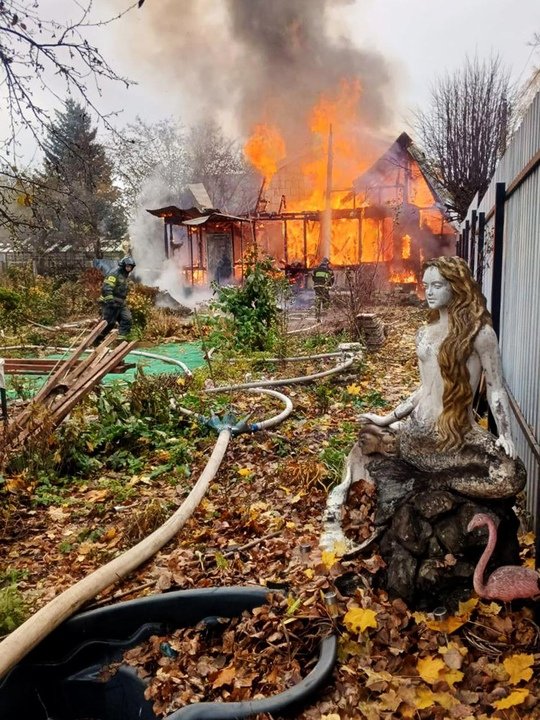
[(113, 300), (323, 279)]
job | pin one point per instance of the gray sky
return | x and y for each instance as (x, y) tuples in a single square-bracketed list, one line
[(426, 38), (411, 41), (420, 39)]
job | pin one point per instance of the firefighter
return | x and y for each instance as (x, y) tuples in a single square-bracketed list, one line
[(113, 300), (323, 279)]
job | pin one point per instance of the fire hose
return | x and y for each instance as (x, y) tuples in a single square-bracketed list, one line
[(31, 632)]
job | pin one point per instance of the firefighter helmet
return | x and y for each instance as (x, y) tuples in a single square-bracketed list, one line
[(128, 260)]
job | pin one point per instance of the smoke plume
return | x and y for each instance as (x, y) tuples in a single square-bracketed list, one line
[(257, 60)]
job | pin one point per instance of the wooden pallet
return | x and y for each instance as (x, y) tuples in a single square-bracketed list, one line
[(70, 382)]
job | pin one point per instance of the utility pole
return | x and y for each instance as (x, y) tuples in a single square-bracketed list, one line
[(326, 224)]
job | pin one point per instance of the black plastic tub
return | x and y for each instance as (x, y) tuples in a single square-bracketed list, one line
[(60, 678)]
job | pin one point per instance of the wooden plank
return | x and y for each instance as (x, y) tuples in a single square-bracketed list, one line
[(61, 405), (42, 369), (83, 345), (75, 394)]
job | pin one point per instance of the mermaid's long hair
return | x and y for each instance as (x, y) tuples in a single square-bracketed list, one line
[(467, 314)]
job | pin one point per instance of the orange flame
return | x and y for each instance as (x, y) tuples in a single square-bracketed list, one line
[(265, 149), (349, 158), (365, 237), (405, 276), (406, 241)]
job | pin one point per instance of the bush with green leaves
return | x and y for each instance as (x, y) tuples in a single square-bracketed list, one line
[(118, 430), (10, 308), (13, 609), (252, 309)]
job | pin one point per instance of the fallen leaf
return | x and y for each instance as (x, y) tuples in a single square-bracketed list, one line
[(466, 608), (57, 514), (527, 539), (359, 619), (429, 668), (96, 495), (451, 677), (453, 655), (329, 559), (424, 698), (224, 677), (519, 668), (492, 609), (515, 698)]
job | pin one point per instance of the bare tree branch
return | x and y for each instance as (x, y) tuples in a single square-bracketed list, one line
[(465, 128), (56, 57)]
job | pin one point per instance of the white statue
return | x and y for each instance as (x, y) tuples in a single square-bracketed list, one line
[(437, 429)]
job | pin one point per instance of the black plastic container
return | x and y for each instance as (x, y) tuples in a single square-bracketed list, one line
[(60, 678)]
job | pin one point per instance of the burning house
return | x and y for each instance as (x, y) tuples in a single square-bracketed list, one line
[(390, 215), (390, 218), (205, 244)]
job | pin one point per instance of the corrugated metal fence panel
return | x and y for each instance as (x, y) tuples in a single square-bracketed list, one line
[(520, 304), (523, 146), (520, 338)]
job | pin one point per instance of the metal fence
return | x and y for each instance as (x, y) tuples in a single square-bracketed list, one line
[(501, 241), (54, 263)]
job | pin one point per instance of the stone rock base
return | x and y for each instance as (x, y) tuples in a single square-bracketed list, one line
[(430, 556)]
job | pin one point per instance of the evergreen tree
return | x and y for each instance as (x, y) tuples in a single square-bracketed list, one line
[(79, 204)]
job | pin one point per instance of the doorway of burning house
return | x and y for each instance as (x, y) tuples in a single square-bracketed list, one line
[(200, 243)]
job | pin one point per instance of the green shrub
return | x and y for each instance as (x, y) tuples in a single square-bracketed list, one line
[(12, 608), (252, 309)]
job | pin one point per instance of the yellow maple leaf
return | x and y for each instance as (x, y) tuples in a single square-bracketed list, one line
[(515, 698), (448, 625), (445, 700), (452, 677), (527, 539), (359, 619), (354, 389), (429, 668), (519, 668), (466, 608), (328, 558), (492, 609), (452, 622), (244, 472), (424, 697)]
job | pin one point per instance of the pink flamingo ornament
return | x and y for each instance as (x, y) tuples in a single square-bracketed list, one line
[(507, 583)]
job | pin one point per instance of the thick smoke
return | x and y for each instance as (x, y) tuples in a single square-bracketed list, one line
[(256, 60), (292, 60)]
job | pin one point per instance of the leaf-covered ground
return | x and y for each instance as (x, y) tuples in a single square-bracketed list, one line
[(259, 524)]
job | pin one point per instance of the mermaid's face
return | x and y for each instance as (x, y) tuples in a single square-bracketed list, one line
[(438, 289)]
